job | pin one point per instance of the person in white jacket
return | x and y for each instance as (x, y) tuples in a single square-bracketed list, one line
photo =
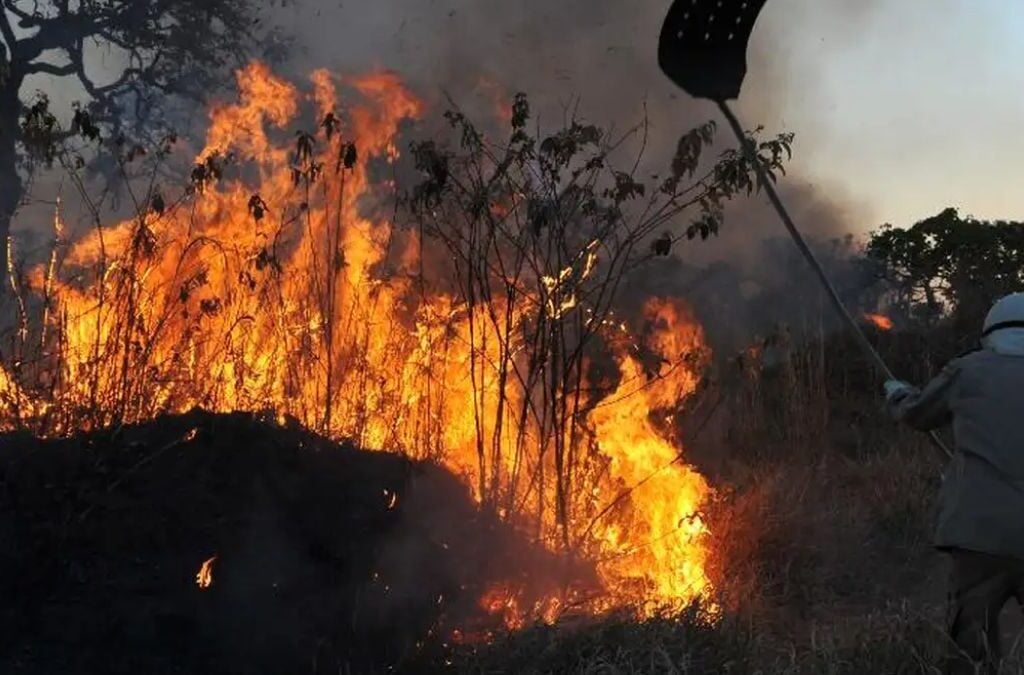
[(981, 521)]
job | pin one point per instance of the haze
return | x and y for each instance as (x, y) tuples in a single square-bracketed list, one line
[(900, 107)]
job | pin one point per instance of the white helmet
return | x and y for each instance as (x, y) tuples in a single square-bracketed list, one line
[(1006, 313)]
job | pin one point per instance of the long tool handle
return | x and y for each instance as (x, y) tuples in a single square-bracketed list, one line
[(801, 244)]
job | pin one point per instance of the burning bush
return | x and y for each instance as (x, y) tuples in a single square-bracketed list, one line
[(473, 319)]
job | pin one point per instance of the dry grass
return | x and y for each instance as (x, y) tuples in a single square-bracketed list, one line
[(822, 541), (891, 640)]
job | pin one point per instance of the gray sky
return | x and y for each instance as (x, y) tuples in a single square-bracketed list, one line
[(915, 106)]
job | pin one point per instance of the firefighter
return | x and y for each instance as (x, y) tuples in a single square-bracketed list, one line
[(981, 509)]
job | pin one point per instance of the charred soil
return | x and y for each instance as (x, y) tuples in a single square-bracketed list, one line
[(326, 558)]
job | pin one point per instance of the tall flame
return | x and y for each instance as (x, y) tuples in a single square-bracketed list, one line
[(656, 545), (265, 289)]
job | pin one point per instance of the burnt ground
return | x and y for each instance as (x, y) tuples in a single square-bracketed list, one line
[(102, 537)]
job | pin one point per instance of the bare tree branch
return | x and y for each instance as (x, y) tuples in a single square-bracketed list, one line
[(43, 68), (13, 8), (7, 33), (171, 47), (62, 32)]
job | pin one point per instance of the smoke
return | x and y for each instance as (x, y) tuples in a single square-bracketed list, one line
[(597, 59), (447, 556), (594, 56)]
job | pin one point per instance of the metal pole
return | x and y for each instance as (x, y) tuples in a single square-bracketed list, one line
[(801, 244)]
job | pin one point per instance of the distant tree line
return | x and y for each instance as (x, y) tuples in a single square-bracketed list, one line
[(947, 268)]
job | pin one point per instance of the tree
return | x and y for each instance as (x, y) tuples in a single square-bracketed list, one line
[(951, 267), (541, 233), (164, 47)]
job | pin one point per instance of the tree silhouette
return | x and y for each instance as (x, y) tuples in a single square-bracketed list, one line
[(951, 267), (163, 47)]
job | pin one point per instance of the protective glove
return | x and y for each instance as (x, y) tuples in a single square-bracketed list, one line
[(897, 389)]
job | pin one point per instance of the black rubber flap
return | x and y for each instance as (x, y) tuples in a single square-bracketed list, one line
[(703, 46)]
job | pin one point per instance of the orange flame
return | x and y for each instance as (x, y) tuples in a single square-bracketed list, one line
[(269, 291), (880, 321), (656, 546), (204, 577), (500, 101)]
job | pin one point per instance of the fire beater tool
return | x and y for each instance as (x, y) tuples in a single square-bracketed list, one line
[(703, 50)]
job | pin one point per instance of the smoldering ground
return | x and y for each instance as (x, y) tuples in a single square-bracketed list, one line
[(326, 556)]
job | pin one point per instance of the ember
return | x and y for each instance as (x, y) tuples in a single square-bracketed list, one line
[(880, 321), (204, 577)]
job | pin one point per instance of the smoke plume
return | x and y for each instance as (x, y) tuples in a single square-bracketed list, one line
[(597, 59)]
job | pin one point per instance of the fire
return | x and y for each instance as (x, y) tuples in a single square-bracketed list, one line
[(280, 283), (499, 98), (204, 577), (654, 548), (880, 321)]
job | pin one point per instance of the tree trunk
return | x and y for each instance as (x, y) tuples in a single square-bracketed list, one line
[(11, 186)]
